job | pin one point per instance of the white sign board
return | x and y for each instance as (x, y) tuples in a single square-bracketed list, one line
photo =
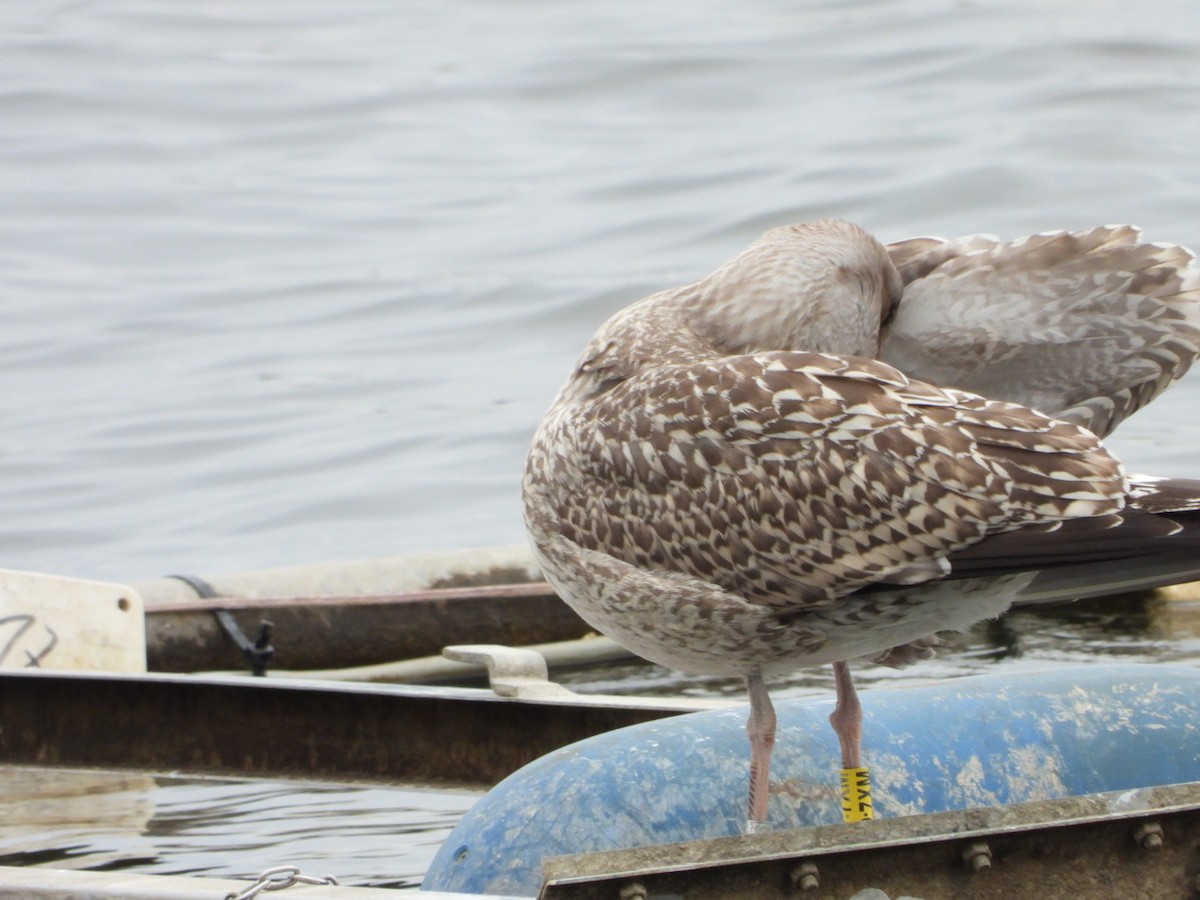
[(48, 622)]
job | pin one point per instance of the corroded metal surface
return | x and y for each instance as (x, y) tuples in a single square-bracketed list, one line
[(335, 632), (1129, 844), (259, 726)]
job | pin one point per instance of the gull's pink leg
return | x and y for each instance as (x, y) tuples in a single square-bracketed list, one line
[(846, 717), (761, 729)]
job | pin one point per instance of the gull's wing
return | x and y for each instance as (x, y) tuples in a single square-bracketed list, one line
[(796, 478), (1086, 326)]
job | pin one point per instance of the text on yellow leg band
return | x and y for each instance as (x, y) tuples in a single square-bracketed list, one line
[(856, 794)]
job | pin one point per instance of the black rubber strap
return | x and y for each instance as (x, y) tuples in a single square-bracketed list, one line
[(258, 653)]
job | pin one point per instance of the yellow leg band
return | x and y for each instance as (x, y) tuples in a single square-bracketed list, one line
[(856, 794)]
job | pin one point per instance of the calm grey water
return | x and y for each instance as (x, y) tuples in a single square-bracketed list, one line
[(293, 281)]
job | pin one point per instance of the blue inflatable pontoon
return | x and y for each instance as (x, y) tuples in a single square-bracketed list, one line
[(980, 741)]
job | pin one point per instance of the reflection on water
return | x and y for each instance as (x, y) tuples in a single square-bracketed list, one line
[(230, 828), (47, 813)]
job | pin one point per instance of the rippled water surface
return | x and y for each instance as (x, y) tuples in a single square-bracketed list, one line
[(222, 828), (293, 281)]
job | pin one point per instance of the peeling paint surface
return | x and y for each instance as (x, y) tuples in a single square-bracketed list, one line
[(980, 741)]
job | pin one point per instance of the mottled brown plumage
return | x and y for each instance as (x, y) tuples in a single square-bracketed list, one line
[(731, 481), (1087, 327)]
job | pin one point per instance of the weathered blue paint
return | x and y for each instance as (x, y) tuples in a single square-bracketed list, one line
[(980, 741)]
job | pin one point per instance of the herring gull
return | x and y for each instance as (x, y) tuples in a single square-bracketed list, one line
[(830, 449)]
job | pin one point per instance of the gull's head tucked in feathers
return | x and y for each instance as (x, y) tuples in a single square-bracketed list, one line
[(823, 287)]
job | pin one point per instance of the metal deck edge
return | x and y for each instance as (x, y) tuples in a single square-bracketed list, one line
[(286, 728), (711, 861)]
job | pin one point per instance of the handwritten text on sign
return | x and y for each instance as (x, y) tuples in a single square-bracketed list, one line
[(48, 622)]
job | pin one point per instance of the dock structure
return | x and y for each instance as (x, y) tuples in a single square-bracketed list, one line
[(1125, 826), (1134, 841), (1139, 843)]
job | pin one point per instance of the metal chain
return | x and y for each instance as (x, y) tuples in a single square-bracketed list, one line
[(277, 879)]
